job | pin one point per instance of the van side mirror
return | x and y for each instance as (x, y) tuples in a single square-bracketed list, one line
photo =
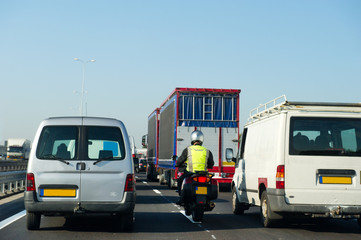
[(229, 154)]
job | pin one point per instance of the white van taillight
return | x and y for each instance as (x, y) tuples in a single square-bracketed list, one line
[(129, 183), (30, 182), (280, 177)]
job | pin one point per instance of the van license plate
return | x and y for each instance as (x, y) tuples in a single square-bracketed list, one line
[(57, 192), (335, 180), (201, 190)]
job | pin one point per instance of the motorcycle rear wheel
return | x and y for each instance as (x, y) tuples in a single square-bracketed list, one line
[(197, 213)]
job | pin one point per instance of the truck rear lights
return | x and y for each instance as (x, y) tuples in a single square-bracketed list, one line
[(30, 182), (129, 183), (280, 177)]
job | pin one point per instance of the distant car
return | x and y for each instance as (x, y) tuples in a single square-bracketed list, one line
[(80, 165), (142, 165)]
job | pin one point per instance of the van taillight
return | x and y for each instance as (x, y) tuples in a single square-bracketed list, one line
[(129, 183), (280, 177), (30, 182)]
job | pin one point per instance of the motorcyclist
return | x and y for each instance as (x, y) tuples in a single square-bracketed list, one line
[(197, 158)]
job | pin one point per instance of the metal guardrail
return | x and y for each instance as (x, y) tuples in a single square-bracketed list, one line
[(12, 177), (12, 182), (10, 165)]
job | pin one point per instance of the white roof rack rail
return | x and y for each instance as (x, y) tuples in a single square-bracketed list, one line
[(266, 108)]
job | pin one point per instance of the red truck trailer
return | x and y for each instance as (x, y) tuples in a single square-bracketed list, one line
[(213, 111)]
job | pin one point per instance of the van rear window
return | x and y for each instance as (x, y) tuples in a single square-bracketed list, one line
[(325, 136), (105, 143), (58, 142)]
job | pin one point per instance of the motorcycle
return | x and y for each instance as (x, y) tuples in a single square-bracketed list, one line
[(198, 189)]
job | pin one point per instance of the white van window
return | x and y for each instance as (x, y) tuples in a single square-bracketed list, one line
[(57, 142), (105, 143), (325, 136)]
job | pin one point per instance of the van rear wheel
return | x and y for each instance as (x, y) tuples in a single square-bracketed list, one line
[(266, 210), (33, 220), (237, 207), (126, 222)]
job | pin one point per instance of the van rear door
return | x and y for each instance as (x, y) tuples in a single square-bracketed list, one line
[(55, 165), (323, 160), (106, 162)]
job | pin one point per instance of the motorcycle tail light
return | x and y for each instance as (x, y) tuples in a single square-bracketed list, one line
[(202, 179)]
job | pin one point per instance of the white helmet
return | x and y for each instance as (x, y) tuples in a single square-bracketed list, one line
[(197, 136)]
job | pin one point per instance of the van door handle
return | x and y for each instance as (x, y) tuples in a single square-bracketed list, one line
[(80, 166)]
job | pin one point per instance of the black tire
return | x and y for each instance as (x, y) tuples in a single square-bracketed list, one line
[(197, 213), (171, 181), (237, 207), (359, 222), (188, 210), (266, 212), (126, 222), (33, 220)]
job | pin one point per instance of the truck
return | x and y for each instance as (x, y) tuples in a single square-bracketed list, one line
[(300, 159), (215, 112), (17, 149)]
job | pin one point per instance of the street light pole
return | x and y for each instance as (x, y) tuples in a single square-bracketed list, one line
[(83, 82)]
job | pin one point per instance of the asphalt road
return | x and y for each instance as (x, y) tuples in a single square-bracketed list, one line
[(157, 217)]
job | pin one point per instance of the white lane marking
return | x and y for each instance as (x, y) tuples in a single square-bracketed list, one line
[(12, 219), (156, 191), (189, 217), (214, 237), (145, 182)]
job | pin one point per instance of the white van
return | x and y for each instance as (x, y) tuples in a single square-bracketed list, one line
[(80, 165), (300, 159)]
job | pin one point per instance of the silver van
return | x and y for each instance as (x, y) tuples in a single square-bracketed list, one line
[(80, 165)]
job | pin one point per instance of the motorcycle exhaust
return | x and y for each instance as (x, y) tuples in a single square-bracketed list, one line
[(210, 206)]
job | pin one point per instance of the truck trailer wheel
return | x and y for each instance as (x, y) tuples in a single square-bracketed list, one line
[(33, 220), (171, 181)]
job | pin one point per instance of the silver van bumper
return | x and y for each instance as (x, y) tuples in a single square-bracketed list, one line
[(278, 204), (64, 207)]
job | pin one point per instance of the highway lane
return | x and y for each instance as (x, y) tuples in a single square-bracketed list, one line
[(157, 217)]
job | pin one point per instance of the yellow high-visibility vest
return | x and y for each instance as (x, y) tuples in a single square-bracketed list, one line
[(197, 158)]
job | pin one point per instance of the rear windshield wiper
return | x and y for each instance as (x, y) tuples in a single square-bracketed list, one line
[(102, 159), (53, 157)]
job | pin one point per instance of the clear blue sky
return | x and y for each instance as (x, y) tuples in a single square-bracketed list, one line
[(309, 50)]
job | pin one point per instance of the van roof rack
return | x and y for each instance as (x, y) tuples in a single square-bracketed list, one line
[(267, 108), (281, 103)]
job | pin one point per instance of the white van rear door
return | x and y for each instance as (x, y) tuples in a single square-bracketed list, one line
[(323, 160), (107, 162), (54, 162)]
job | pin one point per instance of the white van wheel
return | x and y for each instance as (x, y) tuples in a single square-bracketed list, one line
[(265, 210), (126, 222), (33, 220), (237, 207)]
